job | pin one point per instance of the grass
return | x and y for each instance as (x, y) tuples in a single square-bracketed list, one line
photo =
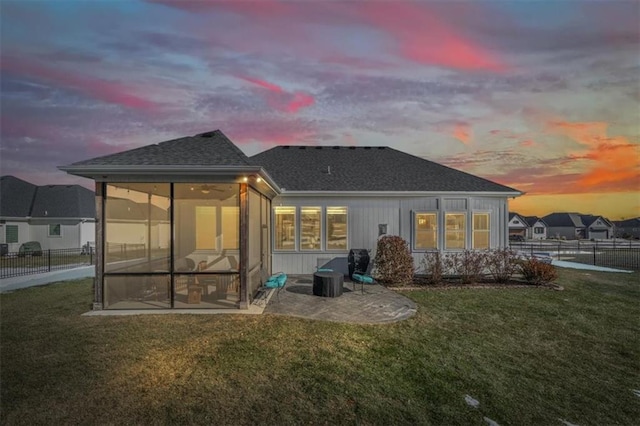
[(530, 356)]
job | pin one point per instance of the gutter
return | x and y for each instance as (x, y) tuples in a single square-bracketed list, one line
[(102, 173), (399, 193)]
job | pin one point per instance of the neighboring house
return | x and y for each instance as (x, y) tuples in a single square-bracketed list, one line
[(57, 216), (518, 225), (629, 228), (235, 219), (572, 226), (537, 228)]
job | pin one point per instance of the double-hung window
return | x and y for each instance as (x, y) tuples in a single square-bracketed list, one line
[(455, 231), (481, 230), (285, 228), (337, 228), (310, 229), (426, 231)]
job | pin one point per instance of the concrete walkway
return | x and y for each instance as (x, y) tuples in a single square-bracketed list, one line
[(376, 305), (16, 283), (576, 265)]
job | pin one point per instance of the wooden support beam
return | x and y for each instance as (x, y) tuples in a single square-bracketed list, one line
[(99, 255)]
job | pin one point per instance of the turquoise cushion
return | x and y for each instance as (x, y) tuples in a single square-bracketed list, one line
[(363, 278), (324, 270), (276, 281)]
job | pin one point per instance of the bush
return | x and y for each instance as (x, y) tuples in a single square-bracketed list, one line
[(502, 264), (432, 266), (394, 263), (468, 265), (537, 272)]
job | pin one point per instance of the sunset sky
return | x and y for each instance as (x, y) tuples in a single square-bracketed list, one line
[(543, 96)]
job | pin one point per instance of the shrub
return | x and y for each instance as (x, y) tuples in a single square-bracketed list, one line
[(537, 272), (468, 265), (432, 266), (394, 263), (501, 264)]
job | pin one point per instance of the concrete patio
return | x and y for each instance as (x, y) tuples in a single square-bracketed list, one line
[(371, 304)]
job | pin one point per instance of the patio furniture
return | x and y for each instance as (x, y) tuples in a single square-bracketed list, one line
[(277, 281), (362, 279), (327, 284)]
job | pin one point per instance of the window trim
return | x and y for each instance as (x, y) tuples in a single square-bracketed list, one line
[(473, 230), (312, 250), (274, 228), (6, 233), (414, 231), (50, 235), (326, 233), (464, 214)]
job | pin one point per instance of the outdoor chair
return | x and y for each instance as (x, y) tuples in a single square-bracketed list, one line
[(277, 281), (362, 278)]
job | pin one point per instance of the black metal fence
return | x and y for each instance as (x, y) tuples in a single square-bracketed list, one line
[(18, 264), (611, 254)]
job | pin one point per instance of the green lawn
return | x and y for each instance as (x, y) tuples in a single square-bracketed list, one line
[(530, 356)]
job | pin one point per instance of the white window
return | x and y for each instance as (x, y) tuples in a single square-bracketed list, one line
[(455, 231), (481, 230), (285, 228), (11, 235), (55, 230), (310, 232), (425, 229), (337, 228), (538, 230)]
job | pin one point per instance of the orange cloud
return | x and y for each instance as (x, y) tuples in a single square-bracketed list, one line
[(613, 162), (463, 132), (280, 99), (528, 143)]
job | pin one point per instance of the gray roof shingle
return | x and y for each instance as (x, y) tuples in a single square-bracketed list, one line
[(19, 198), (340, 168), (206, 149), (64, 201), (564, 220), (16, 197)]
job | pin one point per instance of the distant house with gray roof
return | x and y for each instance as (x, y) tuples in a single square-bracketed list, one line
[(235, 219), (537, 228), (629, 228), (575, 226), (57, 216)]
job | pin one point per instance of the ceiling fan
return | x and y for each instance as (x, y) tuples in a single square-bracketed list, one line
[(205, 189)]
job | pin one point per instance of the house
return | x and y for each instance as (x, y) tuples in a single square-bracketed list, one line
[(629, 228), (518, 226), (572, 226), (212, 222), (57, 216), (537, 228)]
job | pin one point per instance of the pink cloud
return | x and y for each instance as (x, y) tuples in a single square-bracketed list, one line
[(103, 90), (424, 37), (279, 99)]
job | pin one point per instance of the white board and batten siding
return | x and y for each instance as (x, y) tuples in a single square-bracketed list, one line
[(365, 214)]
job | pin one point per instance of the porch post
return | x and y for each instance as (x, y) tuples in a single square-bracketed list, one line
[(244, 247), (97, 281)]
